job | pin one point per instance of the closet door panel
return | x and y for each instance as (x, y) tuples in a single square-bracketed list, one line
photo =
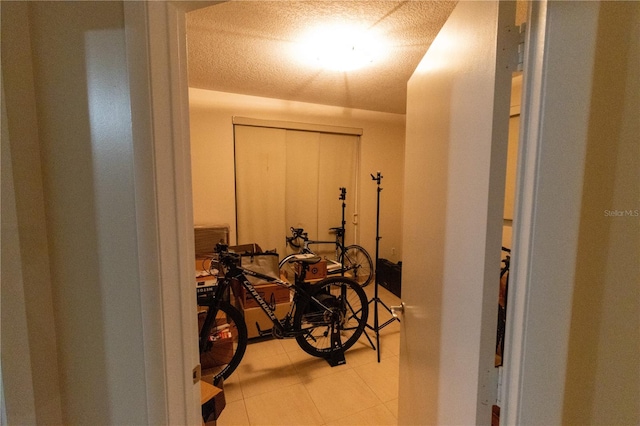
[(301, 209), (261, 166), (337, 170)]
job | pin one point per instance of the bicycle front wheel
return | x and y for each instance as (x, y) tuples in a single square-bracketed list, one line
[(340, 305), (227, 343), (358, 263)]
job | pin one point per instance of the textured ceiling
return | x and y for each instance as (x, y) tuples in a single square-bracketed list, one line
[(245, 47)]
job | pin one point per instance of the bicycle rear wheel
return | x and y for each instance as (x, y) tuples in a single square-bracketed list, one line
[(358, 263), (227, 343), (347, 312)]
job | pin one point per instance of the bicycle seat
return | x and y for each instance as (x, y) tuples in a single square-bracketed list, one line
[(308, 259), (338, 231)]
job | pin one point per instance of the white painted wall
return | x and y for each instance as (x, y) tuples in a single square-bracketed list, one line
[(382, 148), (603, 369), (28, 332), (69, 129), (574, 318)]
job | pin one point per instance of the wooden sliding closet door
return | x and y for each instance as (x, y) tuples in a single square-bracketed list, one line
[(288, 178)]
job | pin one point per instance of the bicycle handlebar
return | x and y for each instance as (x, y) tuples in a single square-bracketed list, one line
[(226, 257), (296, 233)]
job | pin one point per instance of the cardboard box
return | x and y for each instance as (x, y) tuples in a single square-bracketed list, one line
[(253, 315), (271, 293), (223, 336), (206, 281), (205, 288), (203, 263), (212, 401), (317, 271), (221, 317), (220, 354)]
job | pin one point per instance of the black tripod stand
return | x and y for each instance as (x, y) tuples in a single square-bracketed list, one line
[(343, 197), (336, 357), (376, 300)]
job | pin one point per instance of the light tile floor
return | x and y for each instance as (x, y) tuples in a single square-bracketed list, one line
[(277, 383)]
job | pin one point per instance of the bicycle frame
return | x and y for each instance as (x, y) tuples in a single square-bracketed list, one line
[(240, 274), (339, 248)]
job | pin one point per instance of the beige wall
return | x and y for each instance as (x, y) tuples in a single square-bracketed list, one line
[(382, 148), (603, 375)]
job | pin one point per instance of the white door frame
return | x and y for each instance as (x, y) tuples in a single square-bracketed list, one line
[(155, 38), (156, 56), (559, 58)]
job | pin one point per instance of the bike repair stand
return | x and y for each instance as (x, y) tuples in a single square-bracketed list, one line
[(336, 356), (343, 197), (376, 300)]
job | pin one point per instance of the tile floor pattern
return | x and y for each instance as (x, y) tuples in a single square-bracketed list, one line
[(277, 383)]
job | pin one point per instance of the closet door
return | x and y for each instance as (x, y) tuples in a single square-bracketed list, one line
[(292, 178)]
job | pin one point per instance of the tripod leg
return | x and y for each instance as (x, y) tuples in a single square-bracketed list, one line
[(369, 339), (376, 324)]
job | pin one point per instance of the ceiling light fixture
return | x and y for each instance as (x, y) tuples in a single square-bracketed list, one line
[(341, 48)]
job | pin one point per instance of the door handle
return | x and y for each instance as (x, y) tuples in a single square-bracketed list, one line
[(397, 309)]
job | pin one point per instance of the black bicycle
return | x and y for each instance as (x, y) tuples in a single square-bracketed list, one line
[(352, 261), (502, 305), (326, 318)]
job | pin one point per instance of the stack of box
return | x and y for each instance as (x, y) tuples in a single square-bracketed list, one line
[(206, 279), (222, 350), (274, 294)]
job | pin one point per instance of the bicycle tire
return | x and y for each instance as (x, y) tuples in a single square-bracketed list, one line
[(358, 262), (227, 350), (347, 300)]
